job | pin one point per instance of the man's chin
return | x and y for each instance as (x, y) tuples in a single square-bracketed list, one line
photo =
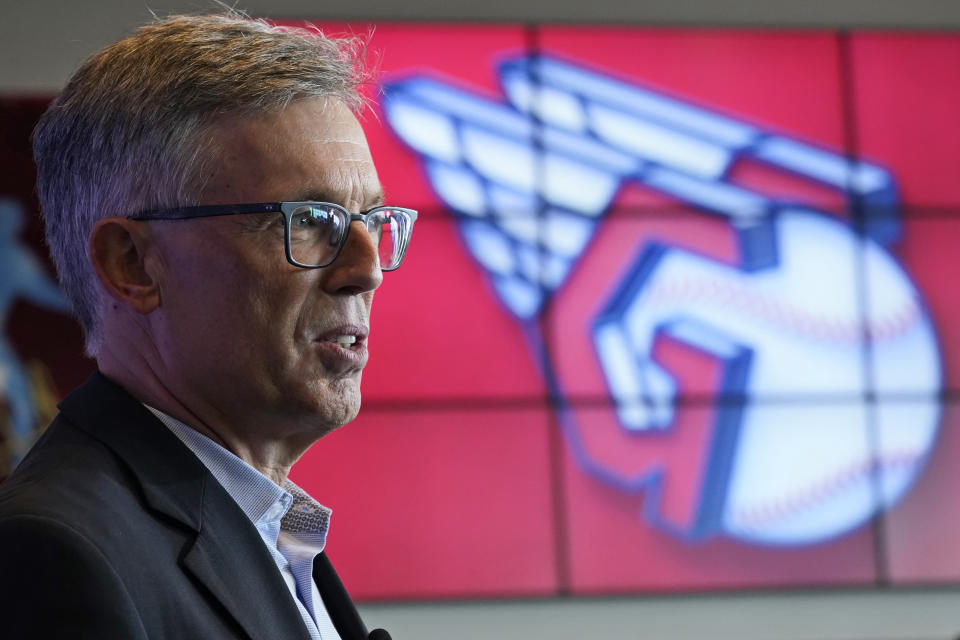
[(339, 404)]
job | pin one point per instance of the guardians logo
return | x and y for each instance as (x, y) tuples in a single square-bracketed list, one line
[(705, 356)]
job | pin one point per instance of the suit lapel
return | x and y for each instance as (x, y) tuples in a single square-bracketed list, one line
[(227, 555), (230, 559), (342, 611)]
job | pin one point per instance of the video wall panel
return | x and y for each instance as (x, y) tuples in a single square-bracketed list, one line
[(916, 530), (444, 357), (678, 314), (432, 502), (906, 92)]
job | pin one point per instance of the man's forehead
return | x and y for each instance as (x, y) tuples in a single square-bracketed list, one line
[(314, 121), (313, 149)]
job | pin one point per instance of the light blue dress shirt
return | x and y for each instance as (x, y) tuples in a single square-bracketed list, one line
[(292, 524)]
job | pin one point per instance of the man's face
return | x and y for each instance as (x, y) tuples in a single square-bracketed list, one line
[(243, 334)]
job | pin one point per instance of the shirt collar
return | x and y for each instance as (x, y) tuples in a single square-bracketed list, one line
[(260, 498)]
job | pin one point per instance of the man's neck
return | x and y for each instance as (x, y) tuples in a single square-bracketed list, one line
[(271, 457)]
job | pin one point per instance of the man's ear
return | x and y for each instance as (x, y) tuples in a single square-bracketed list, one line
[(119, 251)]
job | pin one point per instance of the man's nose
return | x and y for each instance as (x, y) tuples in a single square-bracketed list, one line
[(357, 269)]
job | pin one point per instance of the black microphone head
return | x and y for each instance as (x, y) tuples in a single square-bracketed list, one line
[(379, 634)]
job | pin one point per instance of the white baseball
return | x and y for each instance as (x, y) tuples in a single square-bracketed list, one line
[(813, 459)]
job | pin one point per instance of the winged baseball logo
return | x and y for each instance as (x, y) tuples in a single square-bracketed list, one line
[(812, 305)]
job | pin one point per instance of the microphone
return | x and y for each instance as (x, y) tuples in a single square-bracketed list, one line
[(379, 634)]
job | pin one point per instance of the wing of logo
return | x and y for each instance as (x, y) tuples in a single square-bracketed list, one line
[(531, 180)]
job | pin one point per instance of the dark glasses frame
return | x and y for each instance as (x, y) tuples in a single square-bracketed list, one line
[(288, 210)]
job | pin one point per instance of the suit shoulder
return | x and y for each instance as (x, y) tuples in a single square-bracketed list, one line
[(68, 476)]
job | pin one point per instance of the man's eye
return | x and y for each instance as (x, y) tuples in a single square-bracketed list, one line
[(260, 223), (311, 219), (303, 220)]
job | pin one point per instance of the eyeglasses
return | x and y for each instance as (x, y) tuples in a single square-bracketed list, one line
[(315, 232)]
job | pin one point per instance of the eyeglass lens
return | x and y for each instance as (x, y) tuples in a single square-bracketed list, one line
[(317, 233)]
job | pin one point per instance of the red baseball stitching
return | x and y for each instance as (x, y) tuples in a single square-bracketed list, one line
[(755, 517), (790, 317)]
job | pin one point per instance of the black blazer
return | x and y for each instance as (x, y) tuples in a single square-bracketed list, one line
[(112, 528)]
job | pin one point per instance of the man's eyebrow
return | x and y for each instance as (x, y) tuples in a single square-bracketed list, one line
[(374, 200), (315, 196)]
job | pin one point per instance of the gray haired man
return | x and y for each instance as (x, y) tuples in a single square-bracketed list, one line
[(217, 223)]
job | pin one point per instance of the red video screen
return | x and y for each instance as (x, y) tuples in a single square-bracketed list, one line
[(678, 314)]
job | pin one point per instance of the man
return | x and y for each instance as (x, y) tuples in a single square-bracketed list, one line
[(200, 183)]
